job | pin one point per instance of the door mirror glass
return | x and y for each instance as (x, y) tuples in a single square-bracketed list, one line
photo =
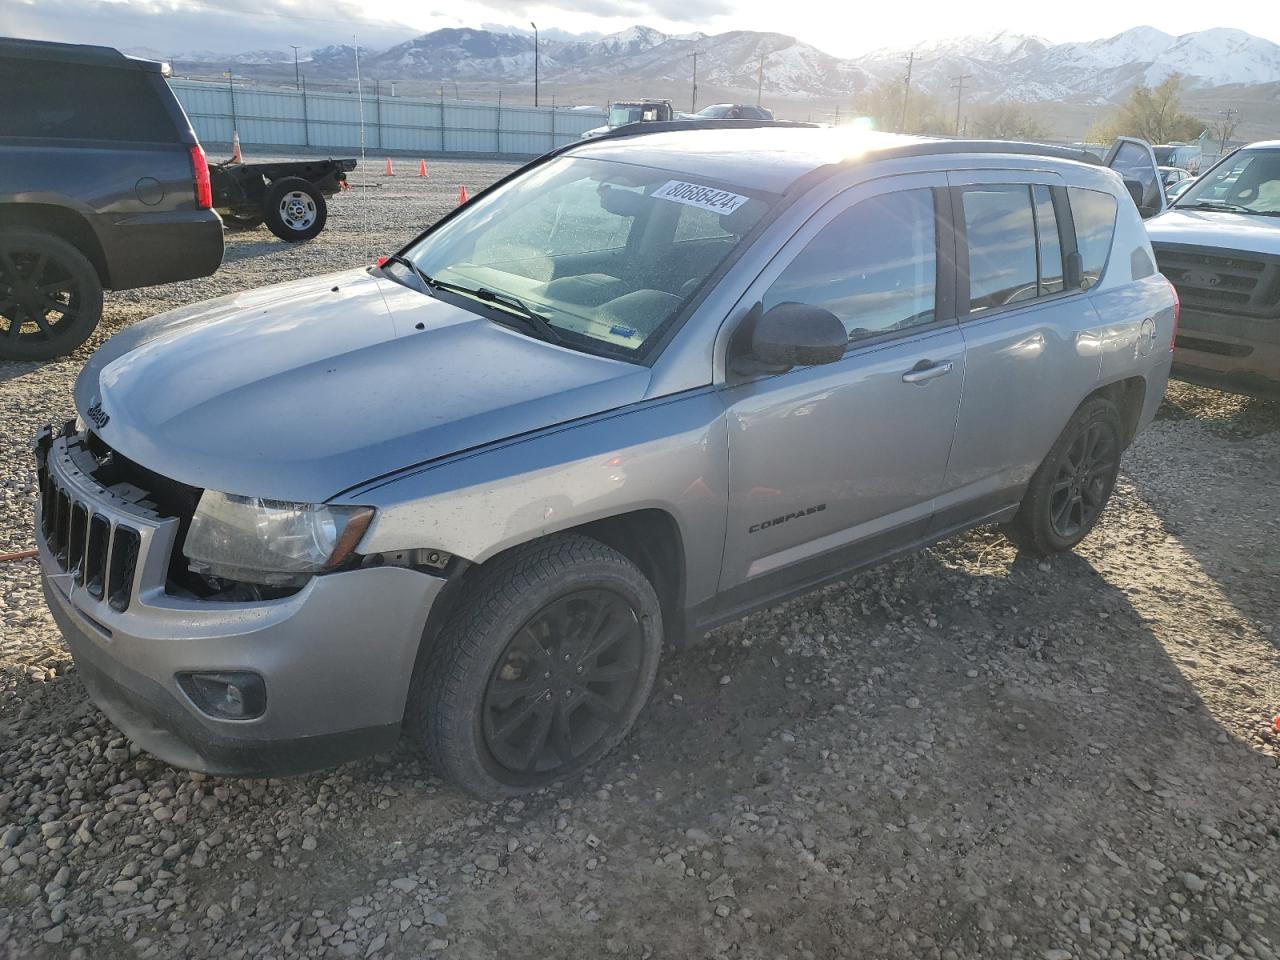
[(797, 335)]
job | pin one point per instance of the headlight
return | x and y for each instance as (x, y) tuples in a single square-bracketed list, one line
[(271, 541)]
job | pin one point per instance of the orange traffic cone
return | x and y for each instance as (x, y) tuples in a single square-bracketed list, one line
[(236, 155), (389, 171), (422, 168), (462, 195)]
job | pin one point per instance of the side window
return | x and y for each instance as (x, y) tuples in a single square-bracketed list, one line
[(1001, 233), (1094, 213), (874, 266), (71, 101), (1050, 241)]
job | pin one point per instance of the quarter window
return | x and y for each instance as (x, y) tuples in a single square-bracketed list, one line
[(72, 101), (1094, 213), (874, 266)]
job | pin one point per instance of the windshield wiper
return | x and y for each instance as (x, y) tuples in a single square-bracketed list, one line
[(533, 321), (1224, 205)]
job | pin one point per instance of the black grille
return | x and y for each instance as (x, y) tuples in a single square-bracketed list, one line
[(1223, 281), (124, 563), (83, 543)]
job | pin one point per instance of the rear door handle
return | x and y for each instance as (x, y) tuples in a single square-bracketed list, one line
[(927, 370)]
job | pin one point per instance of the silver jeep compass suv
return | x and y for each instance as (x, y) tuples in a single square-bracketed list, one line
[(637, 388)]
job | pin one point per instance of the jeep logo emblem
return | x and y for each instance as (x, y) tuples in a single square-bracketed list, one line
[(98, 415), (1201, 278)]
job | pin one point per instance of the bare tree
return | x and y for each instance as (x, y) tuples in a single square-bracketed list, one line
[(1006, 121), (1153, 113), (883, 104)]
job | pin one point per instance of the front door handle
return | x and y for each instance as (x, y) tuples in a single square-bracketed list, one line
[(927, 370)]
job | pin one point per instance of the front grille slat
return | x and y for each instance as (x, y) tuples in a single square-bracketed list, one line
[(122, 567), (77, 532), (61, 521), (1239, 283), (95, 556)]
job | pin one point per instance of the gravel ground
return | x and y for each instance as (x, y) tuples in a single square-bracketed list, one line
[(961, 754)]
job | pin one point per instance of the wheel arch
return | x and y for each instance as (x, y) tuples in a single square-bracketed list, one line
[(648, 537), (1128, 395), (62, 222)]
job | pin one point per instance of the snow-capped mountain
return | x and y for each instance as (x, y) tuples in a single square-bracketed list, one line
[(1002, 65)]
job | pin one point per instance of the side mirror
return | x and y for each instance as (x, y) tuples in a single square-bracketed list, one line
[(1135, 190), (793, 335)]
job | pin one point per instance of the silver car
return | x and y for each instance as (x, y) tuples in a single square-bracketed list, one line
[(636, 389)]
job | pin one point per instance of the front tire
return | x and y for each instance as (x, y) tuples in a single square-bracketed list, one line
[(542, 669), (1069, 490), (50, 296), (295, 210)]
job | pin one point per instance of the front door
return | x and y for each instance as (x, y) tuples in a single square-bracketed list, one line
[(835, 464), (1136, 163)]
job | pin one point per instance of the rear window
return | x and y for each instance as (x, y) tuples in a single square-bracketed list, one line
[(1094, 213), (69, 101)]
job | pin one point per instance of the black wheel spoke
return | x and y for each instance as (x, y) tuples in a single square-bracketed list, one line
[(517, 718), (532, 748), (595, 704), (505, 693), (561, 732), (608, 673)]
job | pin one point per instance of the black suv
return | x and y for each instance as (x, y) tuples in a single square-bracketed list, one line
[(102, 184)]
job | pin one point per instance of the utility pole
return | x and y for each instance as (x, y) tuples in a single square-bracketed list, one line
[(760, 80), (958, 87), (297, 73), (535, 62), (693, 106), (906, 92), (1228, 128)]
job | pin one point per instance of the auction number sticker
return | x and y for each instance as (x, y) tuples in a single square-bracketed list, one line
[(696, 195)]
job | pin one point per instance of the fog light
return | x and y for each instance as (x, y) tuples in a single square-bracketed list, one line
[(226, 696)]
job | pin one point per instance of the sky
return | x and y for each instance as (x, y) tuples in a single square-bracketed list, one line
[(843, 29)]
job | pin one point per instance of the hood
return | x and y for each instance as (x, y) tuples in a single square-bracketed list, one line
[(1215, 228), (301, 391)]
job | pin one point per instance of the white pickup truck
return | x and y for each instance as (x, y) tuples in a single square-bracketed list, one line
[(1219, 243)]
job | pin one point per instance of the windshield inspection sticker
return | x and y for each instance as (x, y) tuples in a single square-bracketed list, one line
[(708, 198)]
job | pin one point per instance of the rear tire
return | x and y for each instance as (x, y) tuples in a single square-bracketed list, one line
[(543, 667), (295, 210), (1069, 490), (50, 296)]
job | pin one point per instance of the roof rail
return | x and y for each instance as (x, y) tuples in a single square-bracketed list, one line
[(915, 147), (707, 123)]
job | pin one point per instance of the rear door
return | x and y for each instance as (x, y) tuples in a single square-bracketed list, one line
[(1023, 315), (1136, 163)]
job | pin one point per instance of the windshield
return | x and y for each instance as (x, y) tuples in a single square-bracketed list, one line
[(1247, 182), (607, 253), (620, 114)]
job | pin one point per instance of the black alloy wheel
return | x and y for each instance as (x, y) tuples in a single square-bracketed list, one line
[(563, 683), (1066, 495), (1083, 481), (50, 296), (547, 656)]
